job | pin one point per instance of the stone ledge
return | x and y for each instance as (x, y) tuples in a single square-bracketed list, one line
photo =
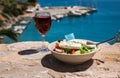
[(104, 64)]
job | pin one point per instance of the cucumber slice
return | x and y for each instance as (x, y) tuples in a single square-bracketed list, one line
[(77, 52)]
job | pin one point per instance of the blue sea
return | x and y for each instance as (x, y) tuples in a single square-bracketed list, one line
[(97, 26)]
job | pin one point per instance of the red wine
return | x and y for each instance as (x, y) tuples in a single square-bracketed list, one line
[(43, 23)]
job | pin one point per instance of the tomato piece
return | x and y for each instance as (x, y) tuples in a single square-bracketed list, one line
[(72, 51), (58, 47)]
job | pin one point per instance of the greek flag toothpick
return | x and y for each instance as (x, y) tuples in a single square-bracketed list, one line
[(69, 36)]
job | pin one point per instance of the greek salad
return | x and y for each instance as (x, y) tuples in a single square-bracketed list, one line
[(75, 46)]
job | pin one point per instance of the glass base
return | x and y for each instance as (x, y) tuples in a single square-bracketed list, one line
[(42, 49)]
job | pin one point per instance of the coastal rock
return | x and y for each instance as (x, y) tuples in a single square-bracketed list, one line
[(21, 60)]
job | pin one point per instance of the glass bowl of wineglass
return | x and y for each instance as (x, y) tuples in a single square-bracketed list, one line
[(43, 23)]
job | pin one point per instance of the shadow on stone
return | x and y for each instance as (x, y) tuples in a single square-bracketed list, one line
[(51, 62), (27, 52)]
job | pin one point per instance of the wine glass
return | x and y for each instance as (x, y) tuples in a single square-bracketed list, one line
[(43, 24)]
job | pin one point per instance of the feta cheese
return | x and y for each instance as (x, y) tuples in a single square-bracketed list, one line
[(70, 44)]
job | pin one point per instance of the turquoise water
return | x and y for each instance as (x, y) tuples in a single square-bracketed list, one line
[(98, 26)]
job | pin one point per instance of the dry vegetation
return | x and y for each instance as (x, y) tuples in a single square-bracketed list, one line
[(10, 9)]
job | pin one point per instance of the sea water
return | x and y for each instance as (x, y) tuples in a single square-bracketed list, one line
[(97, 26)]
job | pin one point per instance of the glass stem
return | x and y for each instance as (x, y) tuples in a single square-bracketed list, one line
[(43, 40)]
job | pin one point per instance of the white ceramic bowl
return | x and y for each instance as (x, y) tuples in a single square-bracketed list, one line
[(71, 58)]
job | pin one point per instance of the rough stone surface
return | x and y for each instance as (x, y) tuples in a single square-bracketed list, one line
[(22, 60)]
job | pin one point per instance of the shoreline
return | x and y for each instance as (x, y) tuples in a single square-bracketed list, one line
[(59, 12)]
